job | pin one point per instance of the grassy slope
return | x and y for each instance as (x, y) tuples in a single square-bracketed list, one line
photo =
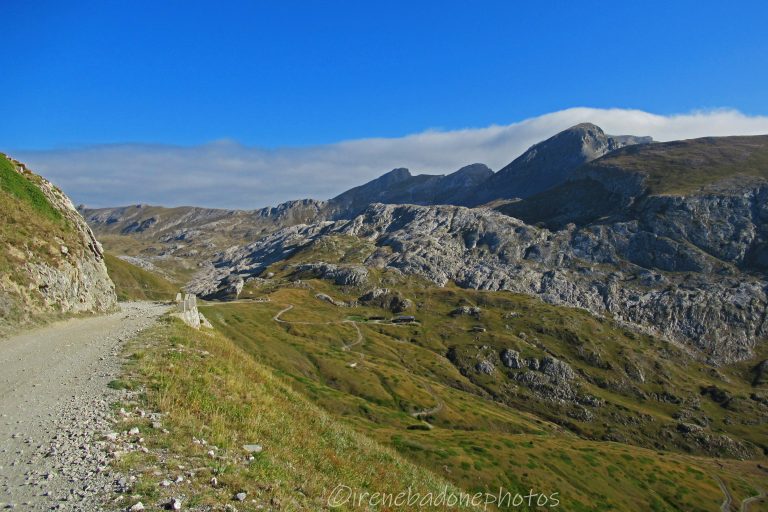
[(485, 435), (217, 386), (475, 442), (135, 283), (685, 166), (679, 167), (31, 229), (179, 270), (211, 389)]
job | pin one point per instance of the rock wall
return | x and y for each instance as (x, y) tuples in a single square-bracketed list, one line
[(186, 310), (56, 275), (648, 273)]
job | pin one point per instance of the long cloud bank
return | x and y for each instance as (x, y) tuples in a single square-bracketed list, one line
[(226, 174)]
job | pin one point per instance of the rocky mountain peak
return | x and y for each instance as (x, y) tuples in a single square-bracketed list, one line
[(549, 163), (394, 176), (476, 171)]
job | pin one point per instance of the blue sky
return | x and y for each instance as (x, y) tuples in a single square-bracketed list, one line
[(290, 73), (246, 104)]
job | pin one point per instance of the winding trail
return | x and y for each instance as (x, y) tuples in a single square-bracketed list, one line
[(348, 346), (344, 346), (434, 410), (55, 406), (728, 501), (359, 339), (748, 501)]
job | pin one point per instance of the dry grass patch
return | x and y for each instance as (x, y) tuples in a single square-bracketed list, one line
[(210, 390)]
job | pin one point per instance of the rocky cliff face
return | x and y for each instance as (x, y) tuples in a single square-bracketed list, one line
[(54, 263), (647, 273)]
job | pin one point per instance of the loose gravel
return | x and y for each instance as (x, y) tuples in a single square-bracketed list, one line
[(55, 410)]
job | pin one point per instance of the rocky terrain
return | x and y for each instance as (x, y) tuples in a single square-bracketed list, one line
[(172, 241), (718, 314), (52, 263), (683, 266), (668, 238)]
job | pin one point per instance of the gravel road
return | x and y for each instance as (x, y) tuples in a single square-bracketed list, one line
[(54, 409)]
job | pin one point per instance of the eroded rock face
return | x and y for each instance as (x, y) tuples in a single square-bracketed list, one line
[(511, 359), (356, 275), (65, 274), (249, 261), (387, 299), (707, 303), (559, 371)]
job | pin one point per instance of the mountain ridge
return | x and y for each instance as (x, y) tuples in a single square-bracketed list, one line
[(605, 237)]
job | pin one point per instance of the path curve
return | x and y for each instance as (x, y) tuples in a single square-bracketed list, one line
[(726, 505), (434, 410), (347, 346), (748, 501), (54, 409), (344, 346)]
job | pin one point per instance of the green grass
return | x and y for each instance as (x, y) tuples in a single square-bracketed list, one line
[(685, 166), (135, 283), (25, 188), (491, 432), (208, 388), (118, 384)]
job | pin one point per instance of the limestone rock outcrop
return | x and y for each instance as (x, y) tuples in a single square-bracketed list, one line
[(58, 263), (708, 306)]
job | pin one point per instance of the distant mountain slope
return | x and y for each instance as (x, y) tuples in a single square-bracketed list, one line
[(400, 187), (136, 283), (642, 278), (185, 222), (693, 181), (175, 240), (686, 166), (50, 262), (549, 163)]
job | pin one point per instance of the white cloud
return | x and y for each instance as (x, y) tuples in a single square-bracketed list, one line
[(229, 175)]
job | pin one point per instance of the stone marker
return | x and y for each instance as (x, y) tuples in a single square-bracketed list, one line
[(253, 448)]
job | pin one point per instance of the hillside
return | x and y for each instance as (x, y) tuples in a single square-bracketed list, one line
[(621, 184), (678, 292), (214, 399), (172, 241), (50, 262), (495, 389), (135, 283), (687, 166)]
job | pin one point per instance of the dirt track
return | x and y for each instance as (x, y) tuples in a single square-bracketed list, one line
[(54, 409)]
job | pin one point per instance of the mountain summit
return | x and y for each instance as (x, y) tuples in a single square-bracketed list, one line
[(549, 163), (543, 166)]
